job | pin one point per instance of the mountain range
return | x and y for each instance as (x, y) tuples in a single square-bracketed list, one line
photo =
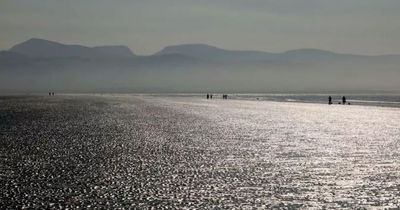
[(41, 65)]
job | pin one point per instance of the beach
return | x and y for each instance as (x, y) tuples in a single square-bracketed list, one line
[(142, 151)]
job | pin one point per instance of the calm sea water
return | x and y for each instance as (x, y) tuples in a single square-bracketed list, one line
[(387, 100)]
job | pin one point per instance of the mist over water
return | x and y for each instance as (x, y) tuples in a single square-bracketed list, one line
[(38, 65)]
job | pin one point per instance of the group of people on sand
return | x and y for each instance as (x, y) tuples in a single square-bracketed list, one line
[(210, 96), (225, 96), (343, 100), (51, 93)]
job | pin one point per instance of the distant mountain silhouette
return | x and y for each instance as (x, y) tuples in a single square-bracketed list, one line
[(39, 65), (309, 54), (49, 49), (207, 52)]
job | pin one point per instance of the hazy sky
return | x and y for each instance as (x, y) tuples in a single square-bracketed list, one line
[(146, 26)]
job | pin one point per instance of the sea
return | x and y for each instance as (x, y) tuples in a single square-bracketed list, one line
[(367, 99)]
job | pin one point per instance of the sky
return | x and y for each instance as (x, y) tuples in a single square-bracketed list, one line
[(368, 27)]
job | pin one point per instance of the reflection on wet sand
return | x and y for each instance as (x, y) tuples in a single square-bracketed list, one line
[(129, 151)]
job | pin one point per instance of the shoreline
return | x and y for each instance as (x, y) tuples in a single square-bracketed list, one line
[(353, 99)]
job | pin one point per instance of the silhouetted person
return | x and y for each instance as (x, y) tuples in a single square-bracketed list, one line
[(52, 93), (49, 93), (330, 100), (208, 96), (344, 100)]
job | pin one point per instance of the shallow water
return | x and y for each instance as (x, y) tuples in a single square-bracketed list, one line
[(188, 152), (377, 99)]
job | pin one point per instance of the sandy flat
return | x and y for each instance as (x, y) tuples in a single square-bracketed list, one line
[(188, 152)]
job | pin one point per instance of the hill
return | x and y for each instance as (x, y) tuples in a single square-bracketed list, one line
[(50, 49)]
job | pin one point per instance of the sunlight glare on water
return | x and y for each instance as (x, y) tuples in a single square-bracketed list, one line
[(310, 154), (124, 151)]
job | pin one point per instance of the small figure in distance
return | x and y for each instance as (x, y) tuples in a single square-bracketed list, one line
[(330, 100), (52, 93), (208, 96), (49, 93), (344, 100)]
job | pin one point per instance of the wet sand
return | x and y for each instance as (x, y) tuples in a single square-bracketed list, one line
[(81, 151)]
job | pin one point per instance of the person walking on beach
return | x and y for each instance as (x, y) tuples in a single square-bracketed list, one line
[(330, 100), (344, 100), (208, 96)]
